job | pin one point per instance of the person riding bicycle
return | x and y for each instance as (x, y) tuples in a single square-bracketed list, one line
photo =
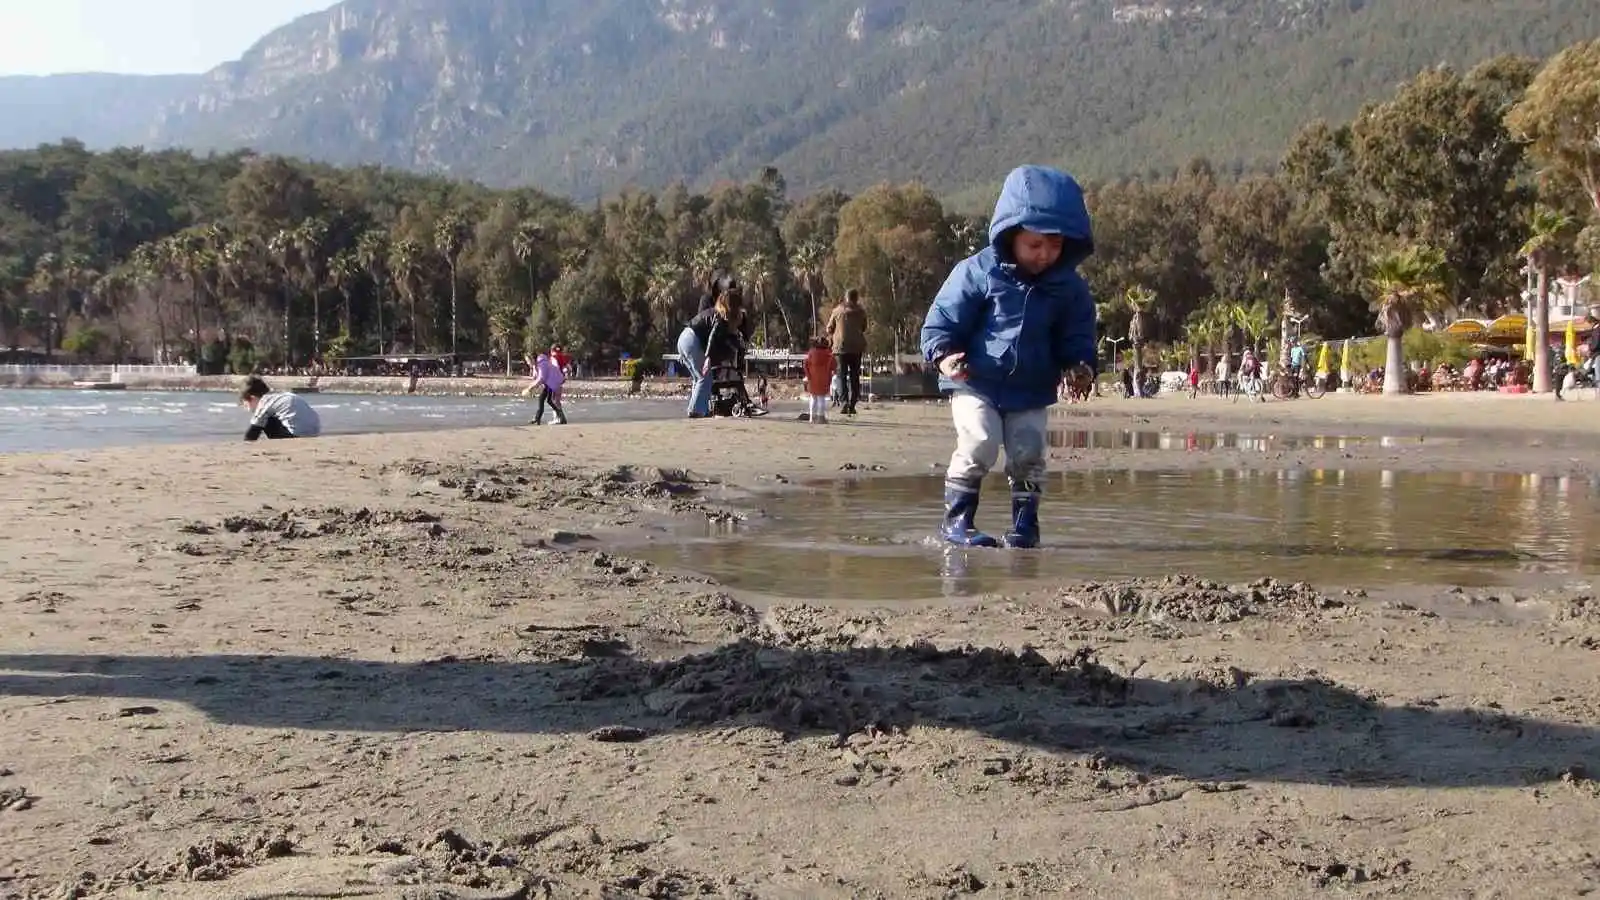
[(1249, 366)]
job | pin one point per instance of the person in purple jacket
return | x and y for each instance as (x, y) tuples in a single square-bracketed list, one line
[(548, 379)]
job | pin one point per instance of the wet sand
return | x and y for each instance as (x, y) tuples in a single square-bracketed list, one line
[(422, 666)]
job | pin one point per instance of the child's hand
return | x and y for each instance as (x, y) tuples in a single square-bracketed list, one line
[(954, 366)]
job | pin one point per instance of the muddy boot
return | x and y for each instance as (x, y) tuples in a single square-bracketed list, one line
[(1024, 531), (960, 507)]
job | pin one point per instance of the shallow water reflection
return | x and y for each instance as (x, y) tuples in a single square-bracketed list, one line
[(872, 538), (1200, 441)]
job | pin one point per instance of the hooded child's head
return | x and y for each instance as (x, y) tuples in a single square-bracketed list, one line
[(1041, 221)]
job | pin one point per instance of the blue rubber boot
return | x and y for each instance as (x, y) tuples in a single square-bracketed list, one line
[(960, 507), (1024, 531)]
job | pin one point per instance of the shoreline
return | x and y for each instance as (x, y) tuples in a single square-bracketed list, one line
[(430, 387), (295, 667)]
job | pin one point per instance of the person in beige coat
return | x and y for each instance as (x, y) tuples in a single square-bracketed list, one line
[(847, 332)]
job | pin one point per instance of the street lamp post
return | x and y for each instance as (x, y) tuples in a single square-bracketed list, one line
[(1115, 361)]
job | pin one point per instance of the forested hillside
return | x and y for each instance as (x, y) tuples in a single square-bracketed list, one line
[(584, 98)]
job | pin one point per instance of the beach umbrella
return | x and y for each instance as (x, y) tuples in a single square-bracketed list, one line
[(1572, 342), (1527, 345), (1322, 361), (1344, 363)]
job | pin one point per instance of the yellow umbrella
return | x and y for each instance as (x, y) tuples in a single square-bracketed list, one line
[(1322, 361), (1572, 342), (1527, 346), (1344, 360)]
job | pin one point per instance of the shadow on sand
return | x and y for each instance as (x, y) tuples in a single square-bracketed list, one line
[(1222, 726)]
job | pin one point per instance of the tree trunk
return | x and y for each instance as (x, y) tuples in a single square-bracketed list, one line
[(1394, 364), (783, 315), (1541, 335), (288, 335), (161, 326), (378, 308), (316, 325), (194, 288), (454, 313)]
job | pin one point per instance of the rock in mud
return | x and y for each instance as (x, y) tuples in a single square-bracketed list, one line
[(15, 800), (618, 734), (1185, 598)]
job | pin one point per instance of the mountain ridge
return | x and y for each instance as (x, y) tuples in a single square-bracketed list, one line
[(583, 98)]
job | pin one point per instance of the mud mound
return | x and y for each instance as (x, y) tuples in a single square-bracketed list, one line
[(720, 612), (650, 482), (310, 523), (1184, 598), (817, 628), (210, 860), (553, 642), (538, 863), (882, 688), (1582, 608)]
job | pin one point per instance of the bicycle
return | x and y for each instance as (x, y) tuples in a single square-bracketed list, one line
[(1248, 387), (1290, 386)]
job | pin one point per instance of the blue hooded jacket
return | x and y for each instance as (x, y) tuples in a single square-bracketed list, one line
[(1019, 332)]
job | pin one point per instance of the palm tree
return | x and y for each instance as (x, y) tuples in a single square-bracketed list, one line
[(450, 237), (1203, 330), (281, 246), (663, 291), (1254, 321), (76, 278), (1548, 234), (112, 291), (525, 243), (755, 272), (807, 262), (710, 255), (1409, 282), (47, 282), (308, 239), (372, 254), (1138, 301), (152, 270), (405, 263), (344, 272), (187, 258), (235, 265)]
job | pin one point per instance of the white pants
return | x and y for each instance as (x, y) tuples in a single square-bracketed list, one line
[(819, 407), (981, 432)]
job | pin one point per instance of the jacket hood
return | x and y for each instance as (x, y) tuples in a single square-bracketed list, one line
[(1047, 201)]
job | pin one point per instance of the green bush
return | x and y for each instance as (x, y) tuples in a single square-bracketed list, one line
[(1419, 347), (641, 367)]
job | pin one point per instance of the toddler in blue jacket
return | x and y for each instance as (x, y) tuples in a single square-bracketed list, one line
[(1006, 325)]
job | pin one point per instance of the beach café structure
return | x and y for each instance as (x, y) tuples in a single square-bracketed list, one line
[(1570, 301)]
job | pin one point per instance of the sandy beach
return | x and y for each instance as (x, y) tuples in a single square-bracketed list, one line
[(425, 665)]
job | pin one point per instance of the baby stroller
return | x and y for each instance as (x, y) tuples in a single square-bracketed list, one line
[(729, 396)]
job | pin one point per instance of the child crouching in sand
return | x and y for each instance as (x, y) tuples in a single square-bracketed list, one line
[(1008, 322), (819, 368)]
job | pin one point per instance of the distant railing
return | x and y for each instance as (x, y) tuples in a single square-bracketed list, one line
[(98, 373)]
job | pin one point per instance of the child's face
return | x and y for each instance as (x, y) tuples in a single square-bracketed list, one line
[(1036, 252)]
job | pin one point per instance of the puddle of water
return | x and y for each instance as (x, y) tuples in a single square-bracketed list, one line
[(1201, 441), (873, 538)]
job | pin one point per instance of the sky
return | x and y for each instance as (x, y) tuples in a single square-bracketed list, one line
[(145, 37)]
